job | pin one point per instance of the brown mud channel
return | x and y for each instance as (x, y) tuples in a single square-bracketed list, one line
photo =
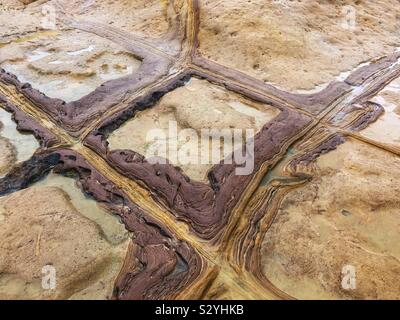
[(79, 193)]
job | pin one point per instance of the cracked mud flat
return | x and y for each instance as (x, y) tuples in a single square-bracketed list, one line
[(77, 191)]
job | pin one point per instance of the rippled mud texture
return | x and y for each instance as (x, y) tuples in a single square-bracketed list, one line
[(194, 107), (310, 49), (71, 66), (81, 96), (347, 215), (205, 206), (156, 265)]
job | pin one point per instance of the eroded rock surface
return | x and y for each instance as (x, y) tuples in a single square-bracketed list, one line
[(67, 65), (386, 129), (148, 18), (15, 146), (7, 155), (297, 45), (192, 109), (347, 215), (17, 20), (36, 233), (304, 76)]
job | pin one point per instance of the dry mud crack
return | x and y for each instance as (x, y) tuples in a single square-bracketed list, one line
[(78, 193)]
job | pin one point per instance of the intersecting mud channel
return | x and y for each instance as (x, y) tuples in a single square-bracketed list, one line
[(79, 193), (189, 108), (16, 147)]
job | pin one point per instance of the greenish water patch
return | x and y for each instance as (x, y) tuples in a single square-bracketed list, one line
[(24, 143), (114, 231)]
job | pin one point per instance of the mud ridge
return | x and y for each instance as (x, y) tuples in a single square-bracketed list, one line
[(167, 263), (205, 207)]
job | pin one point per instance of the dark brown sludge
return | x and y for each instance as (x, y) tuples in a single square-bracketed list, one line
[(87, 200)]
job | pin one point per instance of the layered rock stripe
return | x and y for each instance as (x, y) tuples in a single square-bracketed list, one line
[(322, 193)]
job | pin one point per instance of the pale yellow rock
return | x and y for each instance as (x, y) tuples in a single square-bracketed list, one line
[(196, 107), (348, 215), (66, 65), (297, 45), (36, 232), (387, 128), (27, 1), (7, 154), (11, 53)]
